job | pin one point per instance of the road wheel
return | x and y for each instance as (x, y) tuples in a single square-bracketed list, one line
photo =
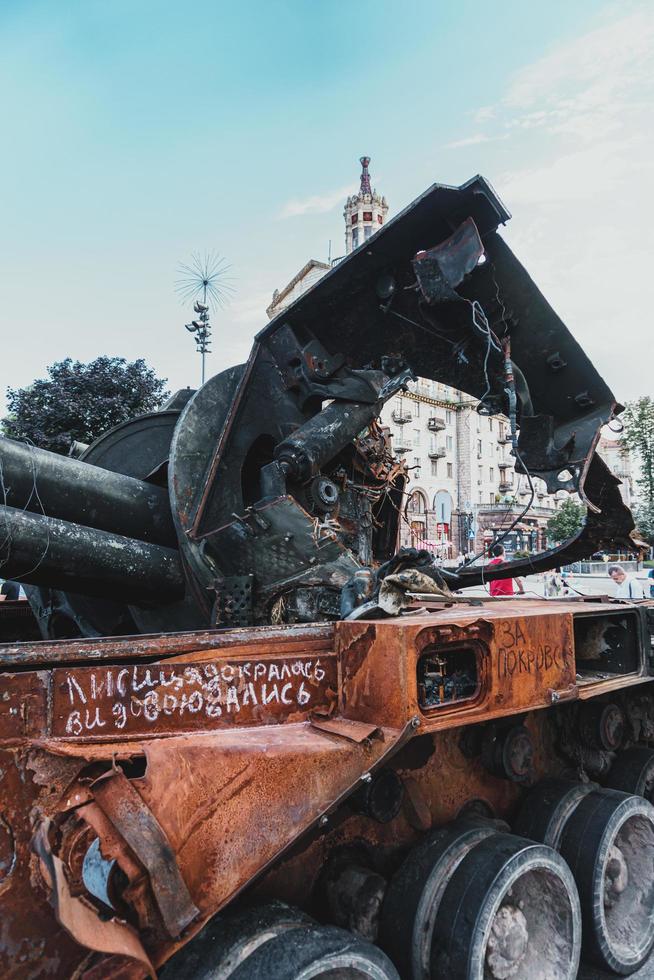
[(608, 843), (413, 897), (510, 912), (633, 772), (227, 940), (547, 807), (316, 953)]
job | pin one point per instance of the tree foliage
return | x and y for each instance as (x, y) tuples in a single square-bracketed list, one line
[(644, 518), (81, 401), (567, 521), (638, 437)]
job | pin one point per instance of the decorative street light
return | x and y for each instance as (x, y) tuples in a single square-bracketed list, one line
[(206, 277)]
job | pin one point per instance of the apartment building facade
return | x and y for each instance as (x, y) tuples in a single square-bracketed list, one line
[(463, 489)]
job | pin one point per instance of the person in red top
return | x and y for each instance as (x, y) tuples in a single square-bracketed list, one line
[(502, 586)]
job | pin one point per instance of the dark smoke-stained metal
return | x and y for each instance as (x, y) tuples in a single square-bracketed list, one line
[(273, 487)]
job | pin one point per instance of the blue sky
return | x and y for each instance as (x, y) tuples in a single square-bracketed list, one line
[(137, 132)]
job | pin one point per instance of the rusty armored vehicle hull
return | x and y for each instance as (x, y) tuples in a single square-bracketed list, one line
[(255, 742)]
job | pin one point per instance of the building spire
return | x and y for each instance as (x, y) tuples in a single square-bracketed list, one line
[(364, 213), (365, 176)]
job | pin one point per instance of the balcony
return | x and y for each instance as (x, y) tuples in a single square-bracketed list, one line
[(436, 424), (505, 486), (437, 452), (401, 445), (502, 464), (400, 417), (505, 440)]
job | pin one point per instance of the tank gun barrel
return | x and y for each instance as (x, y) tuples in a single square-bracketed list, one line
[(72, 490), (45, 551)]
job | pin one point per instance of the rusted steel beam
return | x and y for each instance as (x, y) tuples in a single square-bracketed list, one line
[(140, 829), (261, 639)]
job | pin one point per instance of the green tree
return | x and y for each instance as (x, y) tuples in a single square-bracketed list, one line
[(81, 401), (567, 521), (644, 518), (638, 437)]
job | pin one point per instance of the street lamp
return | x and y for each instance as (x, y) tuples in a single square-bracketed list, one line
[(202, 331), (205, 281)]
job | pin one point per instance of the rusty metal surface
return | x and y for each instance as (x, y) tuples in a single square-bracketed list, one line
[(154, 647), (136, 701), (196, 809), (136, 824), (355, 731), (24, 703), (81, 921), (525, 658)]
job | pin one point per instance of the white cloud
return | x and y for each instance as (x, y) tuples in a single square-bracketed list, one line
[(594, 85), (315, 203), (582, 145), (484, 113), (604, 61), (473, 140)]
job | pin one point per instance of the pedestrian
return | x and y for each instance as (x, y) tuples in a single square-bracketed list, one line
[(628, 586), (502, 586), (10, 590), (553, 584)]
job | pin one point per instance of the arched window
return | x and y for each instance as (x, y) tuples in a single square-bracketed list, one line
[(417, 503), (443, 507)]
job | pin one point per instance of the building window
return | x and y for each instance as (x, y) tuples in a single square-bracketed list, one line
[(379, 219), (416, 463), (491, 473), (480, 498), (449, 469), (367, 232), (355, 218), (434, 467), (480, 449), (490, 424), (416, 503), (492, 498), (448, 443), (480, 473), (416, 437), (416, 409), (367, 215), (448, 416), (355, 238)]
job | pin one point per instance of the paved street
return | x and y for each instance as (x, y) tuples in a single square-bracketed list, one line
[(579, 584)]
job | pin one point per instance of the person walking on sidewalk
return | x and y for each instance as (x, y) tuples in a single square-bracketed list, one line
[(502, 586), (628, 586)]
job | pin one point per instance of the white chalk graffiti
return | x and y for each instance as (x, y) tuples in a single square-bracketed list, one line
[(107, 698)]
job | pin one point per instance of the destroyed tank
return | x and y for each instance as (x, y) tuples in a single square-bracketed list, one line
[(252, 740)]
